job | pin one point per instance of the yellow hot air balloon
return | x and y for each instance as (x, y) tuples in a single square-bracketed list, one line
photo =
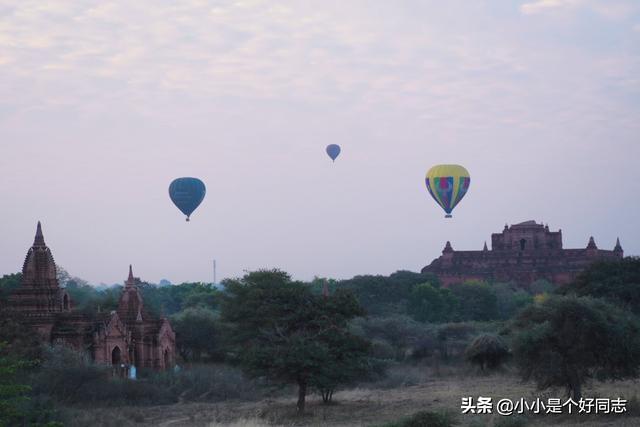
[(448, 184)]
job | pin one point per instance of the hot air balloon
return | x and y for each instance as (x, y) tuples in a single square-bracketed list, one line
[(448, 184), (187, 194), (333, 150)]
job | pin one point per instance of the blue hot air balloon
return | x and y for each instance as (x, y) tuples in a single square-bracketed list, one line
[(333, 150), (187, 194)]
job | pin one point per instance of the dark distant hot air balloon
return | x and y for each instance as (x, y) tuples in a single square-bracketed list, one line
[(448, 184), (187, 194), (333, 150)]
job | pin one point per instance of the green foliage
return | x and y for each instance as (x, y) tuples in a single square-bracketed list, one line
[(171, 299), (616, 281), (385, 295), (401, 333), (487, 351), (281, 330), (453, 338), (425, 419), (541, 286), (69, 377), (8, 283), (20, 340), (207, 383), (564, 341), (196, 331), (428, 303), (88, 299), (510, 299), (13, 395), (476, 301)]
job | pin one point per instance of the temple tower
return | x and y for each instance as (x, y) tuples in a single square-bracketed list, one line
[(39, 296)]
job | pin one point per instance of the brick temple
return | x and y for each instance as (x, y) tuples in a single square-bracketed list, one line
[(128, 336), (522, 253)]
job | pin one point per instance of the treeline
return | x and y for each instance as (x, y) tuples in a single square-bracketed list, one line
[(285, 332)]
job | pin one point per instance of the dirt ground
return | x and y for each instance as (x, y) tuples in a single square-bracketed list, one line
[(368, 407)]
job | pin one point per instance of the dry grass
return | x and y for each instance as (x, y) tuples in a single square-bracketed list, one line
[(363, 407)]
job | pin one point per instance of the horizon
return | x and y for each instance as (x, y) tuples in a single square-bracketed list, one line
[(219, 281)]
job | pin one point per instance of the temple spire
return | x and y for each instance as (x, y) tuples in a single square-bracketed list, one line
[(592, 243), (618, 249), (130, 280), (618, 245), (447, 247), (39, 240), (485, 247)]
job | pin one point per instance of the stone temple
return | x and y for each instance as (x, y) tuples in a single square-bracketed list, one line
[(128, 336), (522, 253)]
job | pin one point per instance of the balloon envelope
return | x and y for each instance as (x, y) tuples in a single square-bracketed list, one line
[(187, 194), (448, 184), (333, 150)]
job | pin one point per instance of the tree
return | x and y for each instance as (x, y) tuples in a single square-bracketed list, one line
[(196, 332), (20, 340), (280, 329), (453, 338), (487, 351), (477, 301), (8, 283), (12, 394), (564, 341), (400, 332), (616, 281), (430, 304), (510, 299), (384, 295)]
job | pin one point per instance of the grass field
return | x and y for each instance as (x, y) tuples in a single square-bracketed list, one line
[(371, 406)]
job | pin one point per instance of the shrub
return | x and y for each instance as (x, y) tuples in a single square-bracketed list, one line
[(565, 341), (425, 419), (400, 332), (209, 383), (487, 351), (425, 347), (381, 349), (70, 377), (453, 338)]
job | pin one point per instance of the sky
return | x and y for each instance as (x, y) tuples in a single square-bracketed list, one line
[(103, 103)]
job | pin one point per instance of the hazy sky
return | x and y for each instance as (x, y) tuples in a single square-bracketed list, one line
[(103, 103)]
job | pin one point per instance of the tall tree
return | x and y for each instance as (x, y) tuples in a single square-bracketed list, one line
[(616, 281), (281, 330), (564, 341)]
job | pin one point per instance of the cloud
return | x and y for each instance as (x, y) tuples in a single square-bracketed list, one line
[(541, 6)]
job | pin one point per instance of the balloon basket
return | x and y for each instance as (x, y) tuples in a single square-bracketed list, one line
[(448, 216)]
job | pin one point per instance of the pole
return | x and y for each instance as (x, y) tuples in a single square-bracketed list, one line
[(214, 271)]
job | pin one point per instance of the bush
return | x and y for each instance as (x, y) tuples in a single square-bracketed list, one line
[(70, 377), (381, 349), (487, 351), (425, 419), (565, 341), (401, 333), (425, 347), (453, 338), (210, 383), (617, 281)]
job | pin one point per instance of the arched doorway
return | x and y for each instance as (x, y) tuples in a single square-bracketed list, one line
[(167, 359), (116, 356), (65, 302), (523, 243)]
